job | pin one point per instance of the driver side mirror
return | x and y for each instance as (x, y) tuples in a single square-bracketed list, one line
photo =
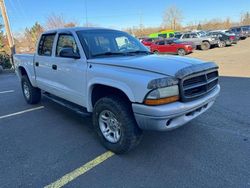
[(69, 53)]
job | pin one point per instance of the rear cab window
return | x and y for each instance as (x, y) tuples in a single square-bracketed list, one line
[(45, 46)]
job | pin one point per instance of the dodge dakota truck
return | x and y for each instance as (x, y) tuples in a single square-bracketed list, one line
[(114, 78)]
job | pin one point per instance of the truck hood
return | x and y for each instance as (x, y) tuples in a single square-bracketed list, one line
[(161, 64)]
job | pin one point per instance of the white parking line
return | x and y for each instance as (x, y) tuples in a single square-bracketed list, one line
[(9, 91), (21, 112)]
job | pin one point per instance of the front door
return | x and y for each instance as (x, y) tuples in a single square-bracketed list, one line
[(69, 73)]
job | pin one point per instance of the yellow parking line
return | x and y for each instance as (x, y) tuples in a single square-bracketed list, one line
[(80, 171), (21, 112)]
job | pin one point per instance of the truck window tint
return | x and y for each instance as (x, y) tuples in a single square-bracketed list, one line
[(46, 45), (66, 41)]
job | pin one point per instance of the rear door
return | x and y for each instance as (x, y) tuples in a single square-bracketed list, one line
[(195, 39), (43, 62), (69, 73)]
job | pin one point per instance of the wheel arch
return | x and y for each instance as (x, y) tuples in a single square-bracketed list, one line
[(206, 41), (97, 90), (22, 71)]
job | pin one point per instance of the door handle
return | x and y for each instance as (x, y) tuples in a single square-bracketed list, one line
[(54, 67), (37, 64)]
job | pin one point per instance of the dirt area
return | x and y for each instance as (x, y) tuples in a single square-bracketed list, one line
[(233, 61)]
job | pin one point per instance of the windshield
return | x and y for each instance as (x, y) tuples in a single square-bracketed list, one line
[(99, 43)]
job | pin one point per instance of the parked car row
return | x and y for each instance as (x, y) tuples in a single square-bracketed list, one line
[(183, 43)]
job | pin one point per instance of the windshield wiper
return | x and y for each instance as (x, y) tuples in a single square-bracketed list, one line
[(140, 52), (109, 54)]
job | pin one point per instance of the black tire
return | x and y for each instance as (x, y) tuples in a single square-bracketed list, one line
[(156, 52), (222, 44), (181, 52), (130, 133), (205, 45), (34, 95)]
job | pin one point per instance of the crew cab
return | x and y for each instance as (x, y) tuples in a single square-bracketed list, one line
[(201, 40), (171, 46), (110, 75)]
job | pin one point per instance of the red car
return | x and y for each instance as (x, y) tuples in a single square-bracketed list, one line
[(171, 47), (147, 41)]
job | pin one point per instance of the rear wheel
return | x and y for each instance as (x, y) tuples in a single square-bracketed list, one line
[(205, 45), (115, 124), (181, 52), (222, 44), (31, 94)]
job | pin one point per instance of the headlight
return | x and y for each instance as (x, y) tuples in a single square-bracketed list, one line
[(163, 95)]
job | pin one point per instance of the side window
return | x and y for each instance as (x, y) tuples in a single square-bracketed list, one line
[(161, 42), (193, 35), (162, 35), (186, 36), (178, 36), (66, 41), (46, 45), (171, 35)]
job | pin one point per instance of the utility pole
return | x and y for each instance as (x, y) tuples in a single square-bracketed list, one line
[(8, 30)]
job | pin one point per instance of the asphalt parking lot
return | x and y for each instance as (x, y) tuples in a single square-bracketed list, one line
[(41, 144)]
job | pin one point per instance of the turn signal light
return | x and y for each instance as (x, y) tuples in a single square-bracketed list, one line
[(167, 100)]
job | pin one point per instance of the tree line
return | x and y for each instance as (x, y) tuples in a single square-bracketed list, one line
[(172, 19)]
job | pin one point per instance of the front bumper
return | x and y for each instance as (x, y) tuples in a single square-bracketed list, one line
[(171, 116)]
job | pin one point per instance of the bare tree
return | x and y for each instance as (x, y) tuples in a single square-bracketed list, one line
[(58, 21), (172, 18), (245, 18)]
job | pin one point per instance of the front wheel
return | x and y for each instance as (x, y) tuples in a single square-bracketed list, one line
[(181, 52), (31, 94), (156, 52), (205, 45), (115, 124)]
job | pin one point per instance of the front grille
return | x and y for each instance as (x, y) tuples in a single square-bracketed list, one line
[(198, 85)]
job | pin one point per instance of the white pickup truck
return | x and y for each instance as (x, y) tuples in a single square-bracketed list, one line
[(112, 76)]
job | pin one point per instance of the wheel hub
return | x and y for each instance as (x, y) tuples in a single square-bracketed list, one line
[(26, 90), (109, 126)]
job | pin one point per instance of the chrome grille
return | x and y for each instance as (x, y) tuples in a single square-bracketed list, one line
[(196, 86)]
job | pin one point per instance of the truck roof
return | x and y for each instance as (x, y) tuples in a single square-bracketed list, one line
[(74, 29)]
